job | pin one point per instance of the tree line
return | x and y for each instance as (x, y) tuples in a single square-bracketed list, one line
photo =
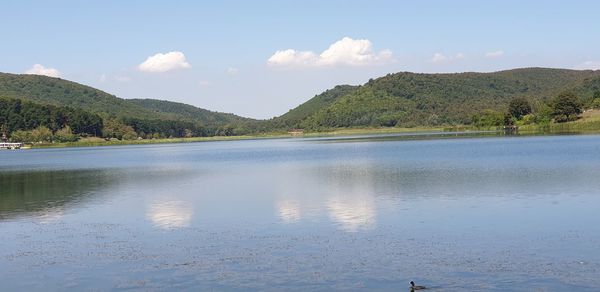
[(19, 119), (565, 107), (24, 121)]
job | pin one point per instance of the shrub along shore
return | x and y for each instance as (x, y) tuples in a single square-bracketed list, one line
[(588, 124)]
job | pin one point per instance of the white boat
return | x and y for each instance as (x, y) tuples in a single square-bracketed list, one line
[(6, 145)]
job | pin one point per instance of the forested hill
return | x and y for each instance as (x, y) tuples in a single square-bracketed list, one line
[(146, 118), (189, 112), (294, 117), (60, 92), (401, 99), (411, 99)]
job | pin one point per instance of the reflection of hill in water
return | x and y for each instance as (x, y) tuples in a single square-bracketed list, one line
[(40, 191), (48, 193)]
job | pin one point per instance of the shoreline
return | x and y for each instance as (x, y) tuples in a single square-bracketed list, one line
[(528, 130), (337, 132)]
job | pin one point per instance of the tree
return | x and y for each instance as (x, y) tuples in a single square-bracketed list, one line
[(3, 133), (488, 118), (116, 129), (565, 107), (509, 120), (519, 107), (65, 135), (21, 136), (41, 134), (596, 100), (129, 134)]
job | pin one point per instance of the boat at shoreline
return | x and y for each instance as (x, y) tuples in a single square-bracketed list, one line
[(11, 146)]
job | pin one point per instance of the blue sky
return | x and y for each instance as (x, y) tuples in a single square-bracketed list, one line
[(261, 58)]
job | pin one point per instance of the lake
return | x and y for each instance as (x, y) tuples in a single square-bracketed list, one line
[(355, 213)]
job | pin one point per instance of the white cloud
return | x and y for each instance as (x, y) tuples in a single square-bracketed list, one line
[(438, 58), (232, 71), (346, 51), (494, 55), (352, 52), (589, 65), (205, 83), (38, 69), (160, 63), (103, 78), (292, 57), (441, 58)]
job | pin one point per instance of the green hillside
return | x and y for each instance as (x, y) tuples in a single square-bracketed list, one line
[(121, 117), (296, 115), (189, 112), (60, 92), (410, 99), (395, 100)]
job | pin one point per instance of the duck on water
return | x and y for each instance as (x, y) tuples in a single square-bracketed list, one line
[(414, 287)]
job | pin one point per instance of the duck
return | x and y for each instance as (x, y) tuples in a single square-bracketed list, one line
[(414, 287)]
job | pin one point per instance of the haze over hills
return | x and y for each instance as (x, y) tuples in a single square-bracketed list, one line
[(402, 99)]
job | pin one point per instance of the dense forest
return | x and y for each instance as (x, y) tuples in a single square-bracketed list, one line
[(122, 118), (531, 95), (18, 117), (411, 99)]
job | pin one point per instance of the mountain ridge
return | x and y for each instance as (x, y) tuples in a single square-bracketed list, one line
[(402, 99)]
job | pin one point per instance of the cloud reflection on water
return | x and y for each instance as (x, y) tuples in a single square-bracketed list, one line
[(353, 214), (289, 211), (170, 214), (345, 194), (50, 215)]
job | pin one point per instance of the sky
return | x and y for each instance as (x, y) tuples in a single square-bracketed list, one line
[(261, 58)]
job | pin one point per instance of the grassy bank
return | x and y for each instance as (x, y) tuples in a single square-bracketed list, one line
[(588, 123), (93, 142)]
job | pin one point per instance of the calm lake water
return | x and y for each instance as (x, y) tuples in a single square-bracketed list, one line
[(371, 213)]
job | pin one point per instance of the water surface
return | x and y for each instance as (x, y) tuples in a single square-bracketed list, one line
[(506, 213)]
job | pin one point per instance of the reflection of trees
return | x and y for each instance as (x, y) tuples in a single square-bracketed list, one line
[(48, 192)]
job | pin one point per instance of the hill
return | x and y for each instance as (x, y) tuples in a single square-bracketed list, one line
[(411, 99), (189, 112), (50, 99), (60, 92), (402, 99), (154, 115), (295, 116)]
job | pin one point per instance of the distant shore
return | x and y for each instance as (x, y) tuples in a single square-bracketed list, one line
[(586, 126), (588, 123), (94, 142)]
